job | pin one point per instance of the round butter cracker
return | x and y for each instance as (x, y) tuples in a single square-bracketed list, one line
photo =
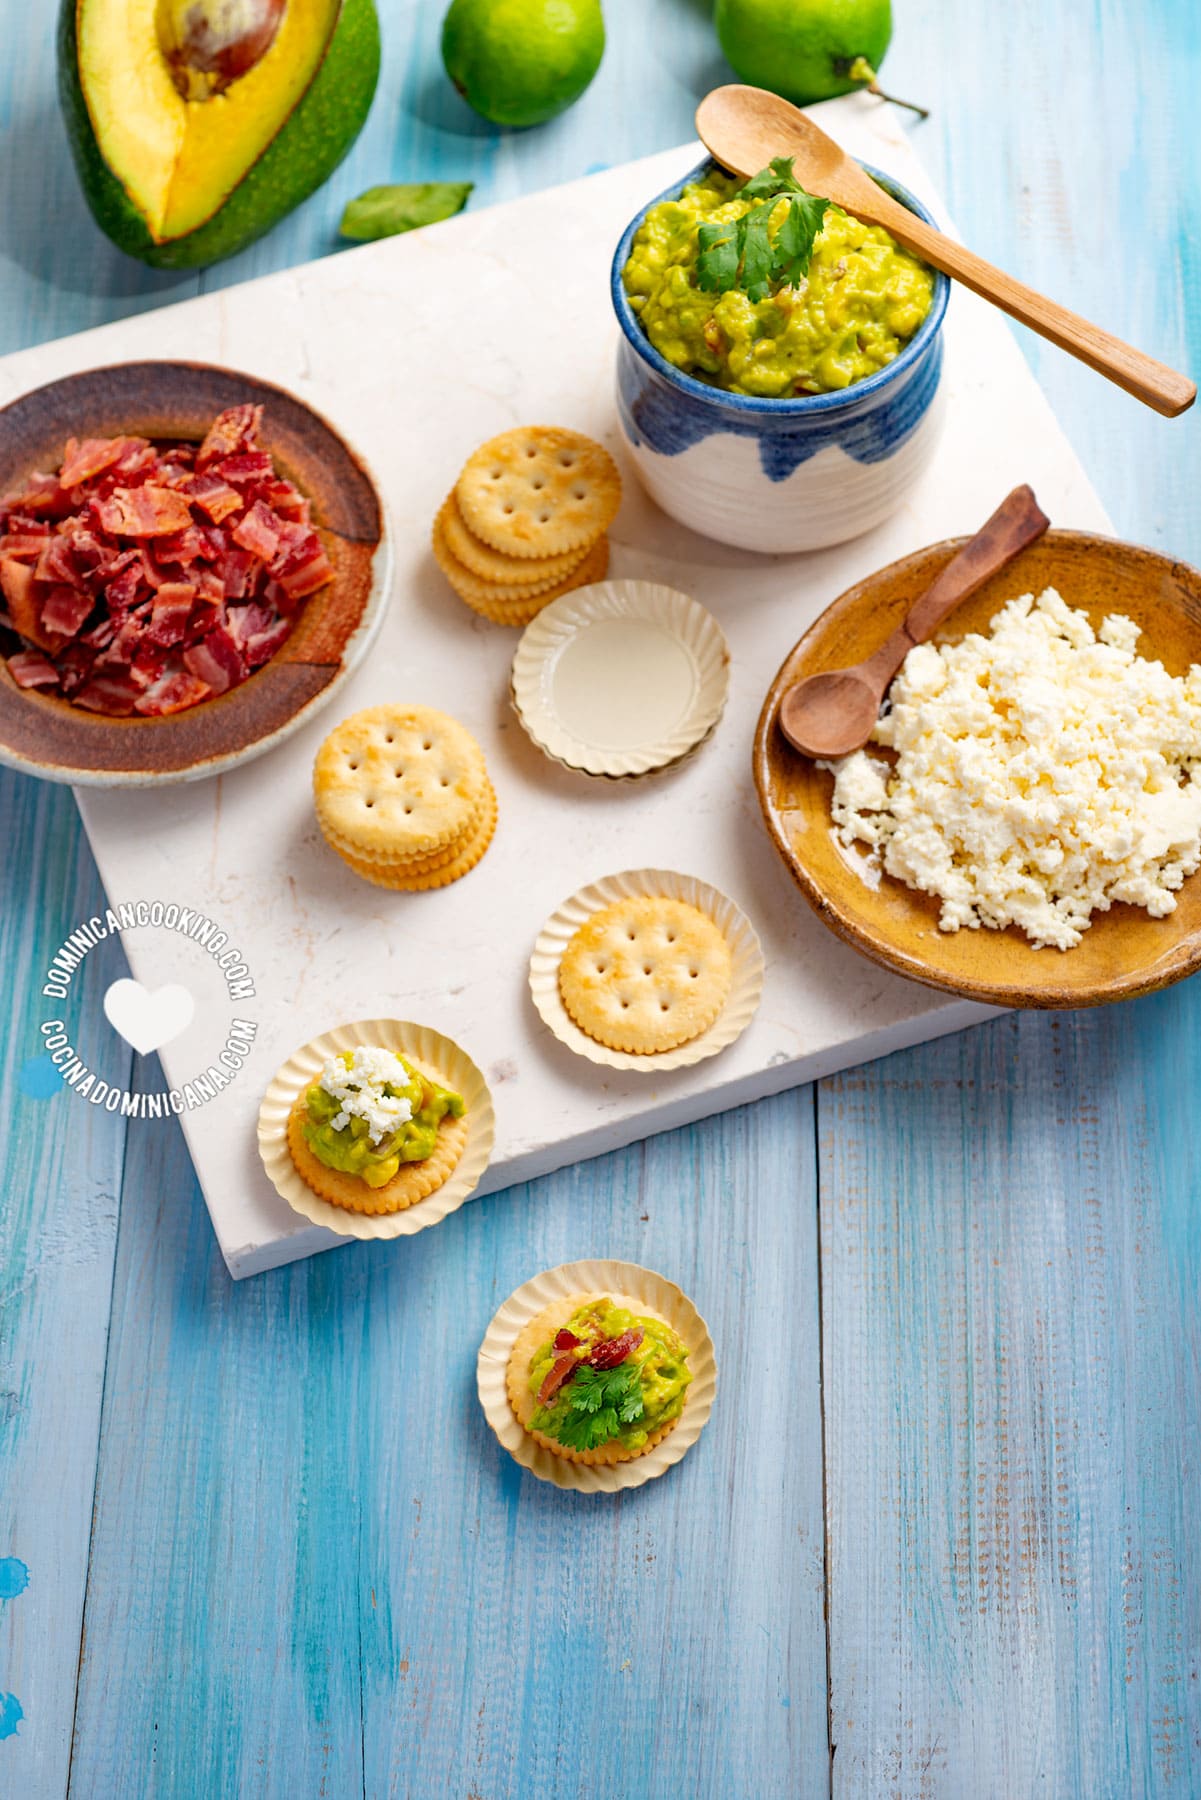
[(525, 1404), (645, 974), (495, 565), (412, 1181), (398, 781), (412, 878), (539, 491), (594, 568)]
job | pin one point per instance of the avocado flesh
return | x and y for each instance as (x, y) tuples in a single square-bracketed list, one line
[(179, 160), (304, 152)]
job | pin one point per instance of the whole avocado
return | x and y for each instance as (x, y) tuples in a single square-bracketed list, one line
[(520, 62), (312, 140), (803, 49)]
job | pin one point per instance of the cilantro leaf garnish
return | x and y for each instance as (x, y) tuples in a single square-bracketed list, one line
[(743, 252), (720, 256), (600, 1402)]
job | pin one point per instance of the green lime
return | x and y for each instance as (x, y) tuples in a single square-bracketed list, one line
[(519, 62), (803, 49)]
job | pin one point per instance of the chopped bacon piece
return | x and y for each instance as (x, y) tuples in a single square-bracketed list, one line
[(74, 665), (170, 612), (64, 610), (235, 429), (137, 460), (263, 645), (174, 693), (612, 1351), (81, 461), (258, 532), (214, 496), (43, 497), (121, 590), (179, 547), (204, 615), (30, 669), (56, 563), (148, 664), (149, 577), (242, 471), (23, 545), (100, 636), (238, 569), (306, 576), (113, 692), (19, 585), (283, 499), (245, 622), (556, 1375), (216, 659), (143, 512)]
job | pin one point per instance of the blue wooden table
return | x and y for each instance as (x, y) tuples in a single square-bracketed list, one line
[(940, 1538)]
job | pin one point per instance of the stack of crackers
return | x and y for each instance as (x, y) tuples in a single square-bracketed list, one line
[(527, 521), (402, 794)]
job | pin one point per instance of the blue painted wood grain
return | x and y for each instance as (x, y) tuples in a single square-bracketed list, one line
[(341, 1583), (1011, 1244), (61, 1169), (311, 1571)]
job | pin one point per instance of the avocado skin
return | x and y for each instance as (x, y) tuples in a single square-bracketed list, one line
[(304, 152)]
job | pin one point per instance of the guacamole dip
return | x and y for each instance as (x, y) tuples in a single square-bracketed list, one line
[(372, 1110), (609, 1375), (861, 301)]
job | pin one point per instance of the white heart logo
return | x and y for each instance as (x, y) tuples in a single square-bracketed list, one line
[(148, 1020)]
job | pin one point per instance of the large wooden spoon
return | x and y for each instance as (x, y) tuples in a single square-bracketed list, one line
[(833, 713), (745, 127)]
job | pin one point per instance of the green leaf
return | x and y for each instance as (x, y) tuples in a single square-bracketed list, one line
[(758, 254), (775, 180), (720, 249), (600, 1402), (386, 211), (795, 238), (745, 254), (630, 1408)]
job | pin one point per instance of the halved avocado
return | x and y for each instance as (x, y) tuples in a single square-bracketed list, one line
[(197, 124)]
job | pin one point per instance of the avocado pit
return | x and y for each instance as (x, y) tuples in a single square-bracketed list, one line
[(209, 44)]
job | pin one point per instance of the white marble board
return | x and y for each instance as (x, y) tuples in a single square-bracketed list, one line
[(419, 348)]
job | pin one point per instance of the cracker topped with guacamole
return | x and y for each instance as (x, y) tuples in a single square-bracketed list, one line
[(376, 1132), (598, 1379), (808, 300)]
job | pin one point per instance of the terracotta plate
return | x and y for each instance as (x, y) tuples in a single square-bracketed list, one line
[(44, 734), (1124, 952)]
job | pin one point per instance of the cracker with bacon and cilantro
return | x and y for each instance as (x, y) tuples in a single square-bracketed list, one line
[(597, 1379)]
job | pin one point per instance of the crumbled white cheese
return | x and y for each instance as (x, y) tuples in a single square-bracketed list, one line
[(360, 1084), (1041, 773)]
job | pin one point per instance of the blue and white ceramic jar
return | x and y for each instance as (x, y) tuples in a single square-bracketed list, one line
[(778, 475)]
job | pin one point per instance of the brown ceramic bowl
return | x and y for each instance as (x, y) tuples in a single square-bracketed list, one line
[(46, 735), (1124, 952)]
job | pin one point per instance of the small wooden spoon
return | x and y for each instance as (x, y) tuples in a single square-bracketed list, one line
[(833, 713), (745, 127)]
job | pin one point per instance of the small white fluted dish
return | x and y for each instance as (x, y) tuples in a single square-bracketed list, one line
[(627, 1284), (746, 978), (431, 1051), (621, 678)]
